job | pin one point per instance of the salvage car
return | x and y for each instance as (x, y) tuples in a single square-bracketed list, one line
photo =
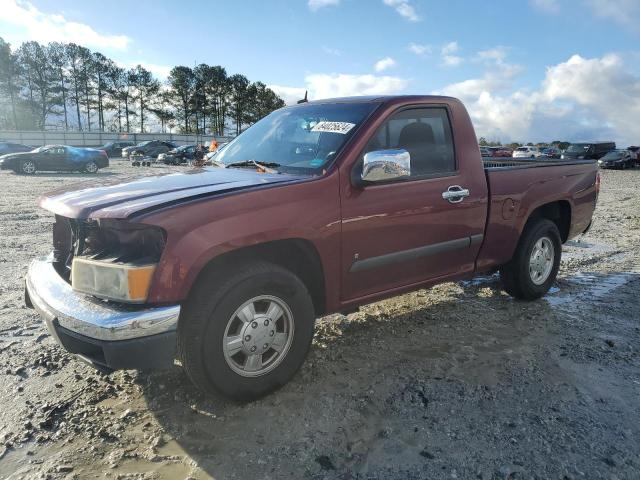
[(635, 152), (527, 151), (617, 159), (114, 149), (178, 156), (151, 148), (321, 207), (55, 158), (588, 150), (10, 147), (500, 152), (550, 152)]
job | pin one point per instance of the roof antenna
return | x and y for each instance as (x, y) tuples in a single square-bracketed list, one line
[(304, 100)]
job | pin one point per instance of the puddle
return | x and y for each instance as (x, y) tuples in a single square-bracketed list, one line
[(588, 287), (574, 249)]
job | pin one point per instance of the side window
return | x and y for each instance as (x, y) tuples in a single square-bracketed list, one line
[(425, 133)]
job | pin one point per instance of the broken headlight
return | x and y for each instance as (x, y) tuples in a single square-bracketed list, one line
[(121, 282), (114, 259)]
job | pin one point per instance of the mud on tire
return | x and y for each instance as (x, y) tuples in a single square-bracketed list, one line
[(517, 277), (207, 316)]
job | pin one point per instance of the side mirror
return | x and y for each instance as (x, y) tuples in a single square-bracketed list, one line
[(385, 165)]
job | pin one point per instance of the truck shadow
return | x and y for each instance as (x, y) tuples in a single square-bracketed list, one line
[(371, 371)]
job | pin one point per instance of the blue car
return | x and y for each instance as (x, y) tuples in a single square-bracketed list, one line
[(55, 158)]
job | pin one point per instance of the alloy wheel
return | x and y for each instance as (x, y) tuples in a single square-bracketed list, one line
[(258, 336), (541, 260)]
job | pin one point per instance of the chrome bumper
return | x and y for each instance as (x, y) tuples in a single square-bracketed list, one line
[(54, 299)]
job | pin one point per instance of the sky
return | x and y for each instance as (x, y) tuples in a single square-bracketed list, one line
[(527, 70)]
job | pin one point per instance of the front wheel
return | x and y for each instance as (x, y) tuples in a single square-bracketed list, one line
[(248, 334), (28, 167), (535, 264)]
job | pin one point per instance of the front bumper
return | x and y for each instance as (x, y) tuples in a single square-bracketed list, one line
[(107, 334)]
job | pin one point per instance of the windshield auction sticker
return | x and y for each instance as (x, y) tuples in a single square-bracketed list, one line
[(333, 127)]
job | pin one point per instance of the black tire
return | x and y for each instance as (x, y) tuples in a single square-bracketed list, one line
[(209, 308), (90, 167), (515, 275)]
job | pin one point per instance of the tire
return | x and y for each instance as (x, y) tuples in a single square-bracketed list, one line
[(27, 167), (207, 319), (522, 280), (90, 167)]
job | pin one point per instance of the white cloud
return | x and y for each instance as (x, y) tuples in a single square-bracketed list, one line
[(384, 64), (449, 48), (289, 94), (315, 5), (449, 59), (343, 85), (322, 85), (496, 54), (47, 27), (331, 51), (579, 99), (549, 6), (624, 12), (159, 71), (404, 8), (419, 49)]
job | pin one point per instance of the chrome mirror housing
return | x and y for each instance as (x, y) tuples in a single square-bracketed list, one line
[(385, 165)]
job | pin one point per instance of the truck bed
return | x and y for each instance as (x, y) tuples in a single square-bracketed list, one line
[(517, 187), (511, 163)]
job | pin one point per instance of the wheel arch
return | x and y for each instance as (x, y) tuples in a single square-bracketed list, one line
[(297, 255), (559, 212)]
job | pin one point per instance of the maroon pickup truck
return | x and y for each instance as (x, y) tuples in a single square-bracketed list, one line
[(318, 208)]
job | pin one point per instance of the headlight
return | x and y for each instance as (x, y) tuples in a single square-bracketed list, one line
[(113, 281)]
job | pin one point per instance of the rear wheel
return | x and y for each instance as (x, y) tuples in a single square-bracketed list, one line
[(28, 167), (91, 167), (535, 264), (247, 335)]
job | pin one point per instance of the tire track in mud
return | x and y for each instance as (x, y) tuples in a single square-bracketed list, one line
[(583, 288)]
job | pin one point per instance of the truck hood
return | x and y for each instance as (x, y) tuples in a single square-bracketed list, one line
[(123, 198)]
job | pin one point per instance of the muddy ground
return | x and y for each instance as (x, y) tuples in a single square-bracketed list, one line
[(459, 381)]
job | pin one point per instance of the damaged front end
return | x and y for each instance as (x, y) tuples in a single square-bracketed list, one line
[(109, 259), (92, 290)]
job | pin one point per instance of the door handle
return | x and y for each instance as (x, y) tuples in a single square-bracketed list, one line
[(455, 194)]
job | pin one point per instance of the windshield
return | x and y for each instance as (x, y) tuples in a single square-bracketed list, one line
[(299, 139), (613, 155), (522, 149), (578, 147), (142, 144)]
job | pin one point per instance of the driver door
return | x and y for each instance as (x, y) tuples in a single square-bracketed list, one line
[(405, 232), (51, 159)]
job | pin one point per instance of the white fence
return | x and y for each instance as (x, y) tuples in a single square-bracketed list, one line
[(95, 139)]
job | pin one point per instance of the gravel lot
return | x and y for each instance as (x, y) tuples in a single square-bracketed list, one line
[(459, 381)]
